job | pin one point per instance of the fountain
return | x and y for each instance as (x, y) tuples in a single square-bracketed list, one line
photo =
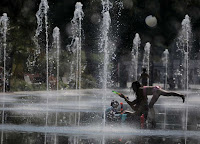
[(146, 58), (3, 31), (105, 41), (76, 44), (73, 76), (184, 47), (41, 16), (104, 48), (76, 68), (56, 45), (36, 116), (134, 54), (165, 60), (106, 52)]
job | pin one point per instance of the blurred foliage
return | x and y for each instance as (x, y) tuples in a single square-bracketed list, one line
[(22, 25), (88, 81), (21, 85)]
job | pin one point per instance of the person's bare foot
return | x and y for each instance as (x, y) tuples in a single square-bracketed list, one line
[(183, 98)]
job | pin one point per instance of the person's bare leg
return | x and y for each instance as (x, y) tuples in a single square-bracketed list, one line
[(151, 116), (170, 93), (151, 109), (153, 100)]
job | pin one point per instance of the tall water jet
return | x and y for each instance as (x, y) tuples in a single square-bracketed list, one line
[(56, 45), (41, 16), (3, 32), (42, 23), (165, 60), (103, 48), (184, 47), (72, 79), (146, 58), (76, 41), (106, 52), (76, 49), (134, 55)]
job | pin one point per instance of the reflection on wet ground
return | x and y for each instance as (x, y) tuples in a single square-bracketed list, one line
[(75, 117)]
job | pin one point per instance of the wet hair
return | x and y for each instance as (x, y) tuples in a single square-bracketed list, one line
[(144, 69), (114, 102), (138, 85)]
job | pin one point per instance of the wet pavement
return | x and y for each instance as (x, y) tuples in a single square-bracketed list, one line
[(75, 117)]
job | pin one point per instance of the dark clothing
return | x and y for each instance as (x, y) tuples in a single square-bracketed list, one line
[(144, 77)]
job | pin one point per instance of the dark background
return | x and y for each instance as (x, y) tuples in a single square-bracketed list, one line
[(169, 14)]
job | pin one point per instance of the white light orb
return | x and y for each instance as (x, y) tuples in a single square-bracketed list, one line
[(68, 29), (95, 18), (151, 21)]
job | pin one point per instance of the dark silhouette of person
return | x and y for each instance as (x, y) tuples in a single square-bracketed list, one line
[(144, 76), (141, 106)]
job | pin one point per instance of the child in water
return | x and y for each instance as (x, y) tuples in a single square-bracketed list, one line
[(111, 112)]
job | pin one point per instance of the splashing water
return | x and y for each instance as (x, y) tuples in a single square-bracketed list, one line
[(74, 64), (104, 47), (76, 48), (134, 54), (105, 51), (118, 14), (56, 45), (41, 16), (184, 46), (165, 60), (146, 57), (76, 68), (3, 31), (105, 41)]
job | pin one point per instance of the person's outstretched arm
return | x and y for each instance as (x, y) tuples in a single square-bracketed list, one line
[(131, 103)]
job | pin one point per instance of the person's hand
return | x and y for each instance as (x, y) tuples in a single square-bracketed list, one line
[(134, 107), (121, 95)]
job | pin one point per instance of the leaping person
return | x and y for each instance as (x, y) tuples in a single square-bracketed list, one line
[(140, 104)]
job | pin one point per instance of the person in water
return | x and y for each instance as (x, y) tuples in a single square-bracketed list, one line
[(111, 112), (140, 104), (144, 76)]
